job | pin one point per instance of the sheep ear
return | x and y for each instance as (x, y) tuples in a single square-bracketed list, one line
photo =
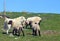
[(10, 22)]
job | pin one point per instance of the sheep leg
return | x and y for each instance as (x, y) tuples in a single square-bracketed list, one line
[(18, 32), (39, 32), (30, 26), (14, 31), (9, 26), (35, 32), (22, 31), (7, 31)]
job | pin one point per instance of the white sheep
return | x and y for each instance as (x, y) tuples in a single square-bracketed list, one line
[(8, 22), (17, 28), (36, 29), (33, 19), (18, 25)]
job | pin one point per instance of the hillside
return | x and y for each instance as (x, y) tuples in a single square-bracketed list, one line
[(50, 28)]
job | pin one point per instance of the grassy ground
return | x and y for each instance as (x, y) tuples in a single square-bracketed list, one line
[(50, 28)]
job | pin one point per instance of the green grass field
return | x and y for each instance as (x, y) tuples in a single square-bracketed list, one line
[(50, 28)]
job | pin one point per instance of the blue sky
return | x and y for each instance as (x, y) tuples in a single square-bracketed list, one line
[(42, 6)]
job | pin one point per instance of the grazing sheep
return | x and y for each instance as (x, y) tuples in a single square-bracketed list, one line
[(18, 26), (36, 29), (33, 19), (18, 29), (8, 22)]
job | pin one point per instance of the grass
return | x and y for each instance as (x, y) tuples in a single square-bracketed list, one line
[(49, 22)]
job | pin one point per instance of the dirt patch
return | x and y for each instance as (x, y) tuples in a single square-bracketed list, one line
[(50, 32)]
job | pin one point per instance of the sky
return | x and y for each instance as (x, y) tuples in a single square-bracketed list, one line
[(39, 6)]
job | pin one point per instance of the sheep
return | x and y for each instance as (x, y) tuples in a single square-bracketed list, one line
[(35, 29), (18, 25), (8, 22), (17, 29), (33, 19)]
